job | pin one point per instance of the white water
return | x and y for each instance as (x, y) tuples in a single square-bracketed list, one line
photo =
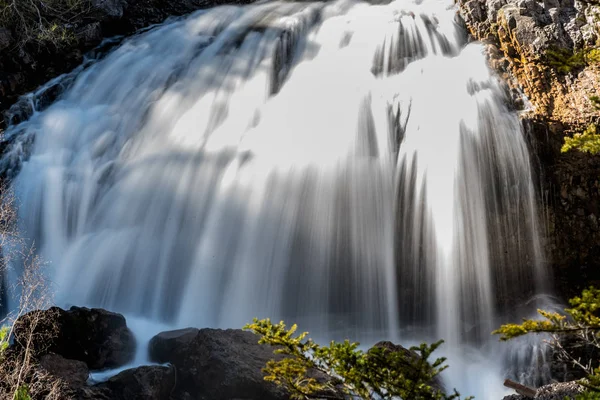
[(144, 330), (347, 166)]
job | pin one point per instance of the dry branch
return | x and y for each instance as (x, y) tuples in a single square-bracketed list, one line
[(520, 389), (19, 364)]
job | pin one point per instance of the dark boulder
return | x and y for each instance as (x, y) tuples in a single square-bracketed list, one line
[(163, 346), (97, 337), (90, 393), (142, 383), (216, 364), (73, 372)]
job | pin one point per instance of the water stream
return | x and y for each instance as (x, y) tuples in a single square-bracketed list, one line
[(347, 166)]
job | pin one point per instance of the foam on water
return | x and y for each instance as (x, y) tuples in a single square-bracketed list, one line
[(144, 330)]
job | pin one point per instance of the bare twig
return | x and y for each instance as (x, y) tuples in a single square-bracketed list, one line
[(521, 389), (34, 293), (41, 21)]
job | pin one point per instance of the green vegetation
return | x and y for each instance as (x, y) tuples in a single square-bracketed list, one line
[(3, 338), (595, 102), (41, 21), (581, 321), (565, 61), (580, 318), (22, 393), (4, 333), (309, 371), (588, 395), (588, 141)]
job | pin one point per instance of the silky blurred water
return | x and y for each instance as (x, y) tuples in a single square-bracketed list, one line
[(350, 167)]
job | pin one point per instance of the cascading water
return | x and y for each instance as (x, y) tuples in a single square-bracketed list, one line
[(348, 166)]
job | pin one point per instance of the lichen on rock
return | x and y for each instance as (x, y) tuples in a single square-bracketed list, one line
[(526, 36)]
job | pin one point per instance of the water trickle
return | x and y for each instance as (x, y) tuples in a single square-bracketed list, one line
[(347, 166)]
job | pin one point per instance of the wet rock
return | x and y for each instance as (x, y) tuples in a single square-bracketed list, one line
[(97, 337), (74, 372), (216, 364), (163, 346), (142, 383), (571, 193)]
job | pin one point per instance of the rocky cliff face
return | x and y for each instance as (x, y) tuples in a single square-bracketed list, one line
[(532, 40), (548, 51)]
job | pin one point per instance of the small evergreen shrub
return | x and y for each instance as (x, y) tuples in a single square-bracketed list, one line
[(581, 321), (588, 141), (22, 393), (565, 61), (311, 371)]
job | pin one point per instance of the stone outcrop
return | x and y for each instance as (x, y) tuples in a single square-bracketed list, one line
[(96, 337), (529, 38), (74, 372), (152, 382), (216, 364), (165, 346), (143, 383), (54, 350), (201, 364), (569, 205)]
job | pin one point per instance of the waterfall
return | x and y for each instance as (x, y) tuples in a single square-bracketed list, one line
[(347, 166)]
